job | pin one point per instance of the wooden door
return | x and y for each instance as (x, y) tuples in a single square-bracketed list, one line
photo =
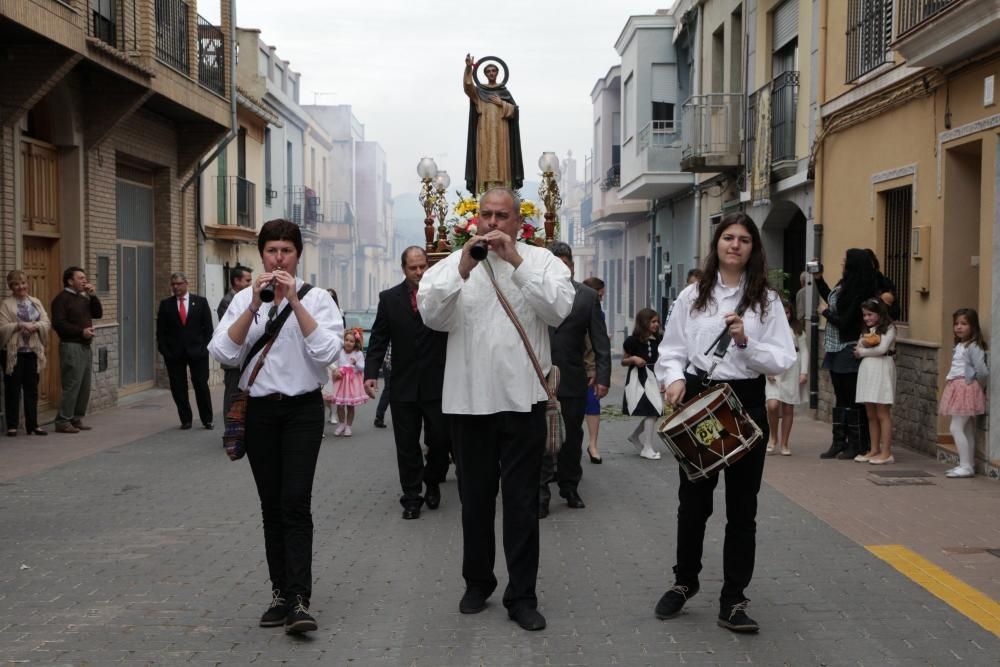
[(41, 267), (40, 164)]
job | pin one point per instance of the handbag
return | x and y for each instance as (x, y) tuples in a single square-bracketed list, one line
[(553, 411), (234, 433)]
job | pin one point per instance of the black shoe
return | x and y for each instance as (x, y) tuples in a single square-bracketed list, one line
[(734, 617), (411, 512), (185, 426), (379, 423), (209, 426), (298, 619), (597, 460), (472, 602), (276, 613), (672, 601), (573, 499), (831, 453), (527, 618), (543, 509), (433, 496)]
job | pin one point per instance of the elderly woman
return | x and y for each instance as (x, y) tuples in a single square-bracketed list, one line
[(24, 329)]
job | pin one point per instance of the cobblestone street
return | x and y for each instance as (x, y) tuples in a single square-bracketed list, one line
[(151, 552)]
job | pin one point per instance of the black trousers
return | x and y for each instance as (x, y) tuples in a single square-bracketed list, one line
[(283, 439), (742, 485), (494, 452), (845, 390), (177, 371), (383, 399), (23, 381), (567, 469), (407, 419)]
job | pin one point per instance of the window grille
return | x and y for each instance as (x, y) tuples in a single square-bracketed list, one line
[(869, 32), (898, 225)]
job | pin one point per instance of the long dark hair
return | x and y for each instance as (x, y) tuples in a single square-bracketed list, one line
[(972, 317), (794, 321), (878, 306), (642, 321), (858, 284), (755, 288)]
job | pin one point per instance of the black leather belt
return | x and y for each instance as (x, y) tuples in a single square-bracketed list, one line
[(285, 397)]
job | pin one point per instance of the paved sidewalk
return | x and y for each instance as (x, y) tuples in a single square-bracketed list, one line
[(149, 551)]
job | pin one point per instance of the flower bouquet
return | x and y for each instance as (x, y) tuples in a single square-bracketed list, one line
[(465, 223)]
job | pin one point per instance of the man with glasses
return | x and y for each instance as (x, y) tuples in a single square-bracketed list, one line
[(183, 330)]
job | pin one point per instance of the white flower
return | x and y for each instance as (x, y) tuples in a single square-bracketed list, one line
[(473, 230)]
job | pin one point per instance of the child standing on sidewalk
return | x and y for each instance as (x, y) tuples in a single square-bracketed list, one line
[(963, 398), (348, 388), (642, 391), (877, 379), (783, 392)]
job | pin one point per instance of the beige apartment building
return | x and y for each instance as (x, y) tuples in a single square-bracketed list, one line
[(106, 109), (906, 163)]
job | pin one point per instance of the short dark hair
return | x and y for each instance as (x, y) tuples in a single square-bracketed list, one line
[(412, 248), (69, 273), (594, 283), (280, 229), (237, 272), (695, 273), (561, 250)]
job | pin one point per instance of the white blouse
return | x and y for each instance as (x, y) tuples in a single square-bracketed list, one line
[(688, 340), (487, 369), (296, 364)]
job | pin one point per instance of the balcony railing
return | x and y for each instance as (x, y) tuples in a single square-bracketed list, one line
[(784, 92), (613, 178), (211, 58), (111, 22), (710, 130), (912, 13), (657, 133), (338, 213), (239, 203), (303, 206), (869, 32), (172, 34)]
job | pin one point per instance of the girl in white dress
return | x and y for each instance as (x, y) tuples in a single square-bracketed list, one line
[(877, 379), (783, 392)]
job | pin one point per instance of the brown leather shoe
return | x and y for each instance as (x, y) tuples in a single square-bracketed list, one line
[(81, 426), (66, 428)]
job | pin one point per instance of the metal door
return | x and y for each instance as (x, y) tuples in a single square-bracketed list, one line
[(136, 334)]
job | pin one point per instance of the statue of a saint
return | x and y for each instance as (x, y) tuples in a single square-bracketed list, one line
[(493, 150)]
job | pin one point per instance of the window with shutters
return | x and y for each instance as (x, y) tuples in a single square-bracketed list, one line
[(869, 32), (898, 227)]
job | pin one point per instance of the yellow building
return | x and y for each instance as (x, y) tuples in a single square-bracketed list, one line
[(906, 164)]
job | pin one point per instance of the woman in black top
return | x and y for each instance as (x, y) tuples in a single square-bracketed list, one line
[(642, 394)]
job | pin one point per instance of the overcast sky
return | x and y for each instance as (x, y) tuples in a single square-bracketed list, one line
[(399, 64)]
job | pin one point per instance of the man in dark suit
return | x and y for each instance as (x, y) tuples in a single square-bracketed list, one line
[(417, 378), (567, 354), (183, 331)]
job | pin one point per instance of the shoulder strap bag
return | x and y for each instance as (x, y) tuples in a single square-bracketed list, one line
[(553, 412), (234, 434)]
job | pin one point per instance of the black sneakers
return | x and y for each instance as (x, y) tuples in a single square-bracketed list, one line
[(276, 613), (529, 619), (298, 619), (734, 617), (672, 601), (472, 602)]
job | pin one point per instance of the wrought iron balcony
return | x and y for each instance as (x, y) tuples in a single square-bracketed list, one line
[(112, 23), (613, 178), (237, 200), (211, 57), (172, 34), (784, 100), (338, 213), (303, 206), (912, 13), (710, 132)]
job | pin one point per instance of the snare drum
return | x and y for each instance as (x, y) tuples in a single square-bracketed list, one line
[(710, 432)]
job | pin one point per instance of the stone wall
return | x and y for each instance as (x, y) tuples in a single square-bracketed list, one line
[(104, 384)]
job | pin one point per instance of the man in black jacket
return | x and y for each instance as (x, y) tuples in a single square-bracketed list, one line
[(183, 331), (567, 354), (417, 378)]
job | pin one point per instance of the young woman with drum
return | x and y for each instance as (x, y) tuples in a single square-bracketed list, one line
[(731, 298)]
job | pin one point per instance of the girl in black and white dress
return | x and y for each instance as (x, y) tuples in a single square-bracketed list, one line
[(642, 398)]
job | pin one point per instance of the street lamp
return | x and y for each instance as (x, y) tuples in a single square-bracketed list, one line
[(548, 192), (427, 170), (441, 181)]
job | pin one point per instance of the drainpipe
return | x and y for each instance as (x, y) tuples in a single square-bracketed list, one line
[(697, 91), (652, 278), (203, 164), (815, 240)]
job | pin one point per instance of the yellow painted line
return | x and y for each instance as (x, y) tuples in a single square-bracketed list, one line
[(963, 598)]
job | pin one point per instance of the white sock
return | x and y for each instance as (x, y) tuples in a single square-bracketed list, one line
[(963, 431), (648, 425)]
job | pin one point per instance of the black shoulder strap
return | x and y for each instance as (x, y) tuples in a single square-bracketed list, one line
[(278, 323)]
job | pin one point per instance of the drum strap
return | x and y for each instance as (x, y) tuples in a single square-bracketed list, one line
[(718, 350)]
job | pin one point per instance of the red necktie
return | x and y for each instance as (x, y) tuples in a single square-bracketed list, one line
[(183, 311), (413, 300)]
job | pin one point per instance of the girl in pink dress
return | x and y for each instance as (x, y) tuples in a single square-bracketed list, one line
[(348, 381)]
